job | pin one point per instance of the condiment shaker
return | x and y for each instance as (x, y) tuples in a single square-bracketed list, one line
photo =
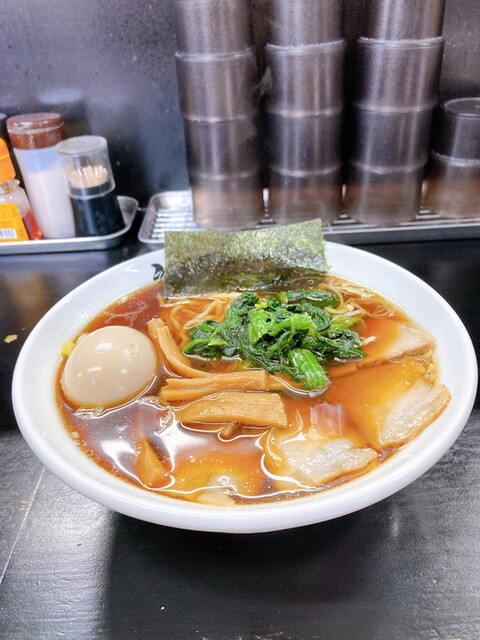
[(33, 137)]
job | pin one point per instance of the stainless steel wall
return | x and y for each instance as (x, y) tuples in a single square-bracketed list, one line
[(108, 66)]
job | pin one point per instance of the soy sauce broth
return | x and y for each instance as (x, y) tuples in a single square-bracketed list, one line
[(197, 459)]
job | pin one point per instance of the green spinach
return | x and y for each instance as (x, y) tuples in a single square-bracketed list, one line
[(295, 333)]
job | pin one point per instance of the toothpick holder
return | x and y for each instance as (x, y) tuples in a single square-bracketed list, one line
[(91, 185)]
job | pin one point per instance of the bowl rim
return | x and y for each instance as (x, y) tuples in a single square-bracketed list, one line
[(83, 475)]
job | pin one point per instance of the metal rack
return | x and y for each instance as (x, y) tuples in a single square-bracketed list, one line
[(172, 211), (128, 207)]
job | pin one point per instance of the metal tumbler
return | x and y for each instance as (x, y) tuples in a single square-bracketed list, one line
[(456, 131), (389, 140), (212, 26), (305, 80), (222, 149), (217, 87), (302, 144), (293, 198), (383, 198), (227, 203), (396, 76), (452, 185), (294, 23), (403, 19)]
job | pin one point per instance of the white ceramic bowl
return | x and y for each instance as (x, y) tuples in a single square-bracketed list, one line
[(39, 421)]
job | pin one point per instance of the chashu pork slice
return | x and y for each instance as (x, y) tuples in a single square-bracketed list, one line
[(319, 453), (392, 403), (387, 340)]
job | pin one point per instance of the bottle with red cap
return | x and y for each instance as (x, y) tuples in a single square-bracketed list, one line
[(16, 218), (33, 137)]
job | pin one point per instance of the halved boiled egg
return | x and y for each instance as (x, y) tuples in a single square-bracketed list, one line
[(108, 367)]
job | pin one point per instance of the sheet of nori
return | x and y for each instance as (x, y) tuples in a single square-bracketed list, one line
[(275, 258)]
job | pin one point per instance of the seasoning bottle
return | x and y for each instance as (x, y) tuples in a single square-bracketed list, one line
[(16, 218), (91, 185), (33, 137)]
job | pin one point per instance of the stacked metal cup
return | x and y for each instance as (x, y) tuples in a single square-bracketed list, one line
[(305, 54), (452, 185), (217, 81), (395, 75)]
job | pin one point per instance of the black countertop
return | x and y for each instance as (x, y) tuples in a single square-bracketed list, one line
[(407, 568)]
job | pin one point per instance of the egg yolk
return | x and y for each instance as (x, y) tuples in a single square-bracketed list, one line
[(108, 367)]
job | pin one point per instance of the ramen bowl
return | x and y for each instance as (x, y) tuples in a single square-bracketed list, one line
[(39, 419)]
